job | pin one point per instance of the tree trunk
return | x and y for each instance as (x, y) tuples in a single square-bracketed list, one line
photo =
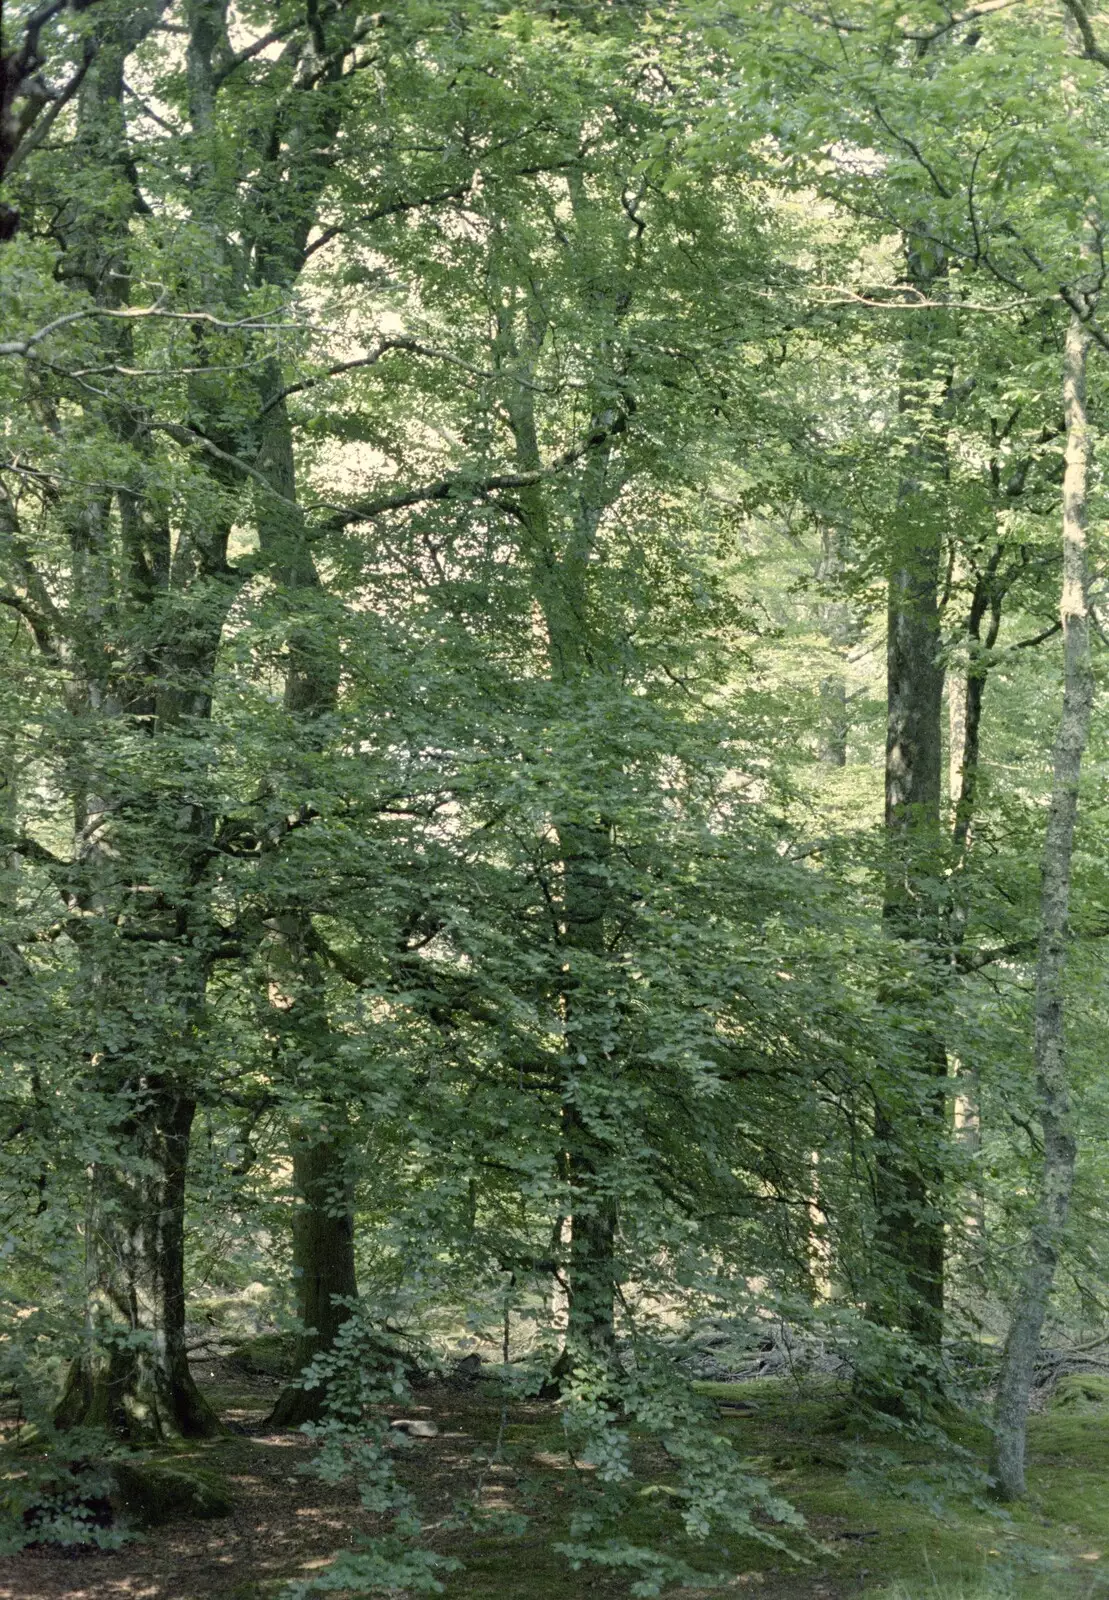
[(323, 1266), (559, 543), (591, 1322), (591, 1270), (323, 1227), (910, 1229), (1057, 1170), (835, 623), (133, 1376), (965, 701)]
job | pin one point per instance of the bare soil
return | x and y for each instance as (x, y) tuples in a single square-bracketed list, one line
[(285, 1523)]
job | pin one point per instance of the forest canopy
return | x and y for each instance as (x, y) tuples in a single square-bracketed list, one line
[(551, 751)]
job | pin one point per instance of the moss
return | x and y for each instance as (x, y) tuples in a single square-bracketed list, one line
[(871, 1544), (153, 1492), (270, 1355), (1082, 1391)]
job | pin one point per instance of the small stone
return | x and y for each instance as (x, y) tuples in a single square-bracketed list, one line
[(415, 1427)]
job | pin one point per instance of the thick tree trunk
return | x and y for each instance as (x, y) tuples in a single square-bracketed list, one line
[(1057, 1169), (133, 1376), (323, 1266)]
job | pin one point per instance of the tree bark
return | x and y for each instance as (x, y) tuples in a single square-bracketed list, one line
[(323, 1229), (835, 623), (132, 1375), (1056, 1176), (559, 543), (323, 1266), (910, 1230)]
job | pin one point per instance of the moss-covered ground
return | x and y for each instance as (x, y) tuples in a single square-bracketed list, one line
[(873, 1534)]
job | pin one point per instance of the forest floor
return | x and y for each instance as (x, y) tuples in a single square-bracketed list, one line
[(871, 1542)]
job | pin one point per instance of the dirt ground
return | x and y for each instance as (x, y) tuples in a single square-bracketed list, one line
[(285, 1523), (282, 1522)]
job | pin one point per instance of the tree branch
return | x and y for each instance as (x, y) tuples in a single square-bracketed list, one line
[(460, 483), (971, 14), (1038, 638), (23, 845), (403, 342), (186, 436), (37, 623)]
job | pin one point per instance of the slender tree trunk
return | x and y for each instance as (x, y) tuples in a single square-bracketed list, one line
[(965, 703), (591, 1271), (835, 622), (559, 543), (1057, 1169)]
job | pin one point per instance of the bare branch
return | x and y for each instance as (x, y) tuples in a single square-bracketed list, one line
[(829, 22), (148, 110), (914, 299), (252, 50)]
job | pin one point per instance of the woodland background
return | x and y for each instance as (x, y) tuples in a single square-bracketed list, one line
[(551, 751)]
